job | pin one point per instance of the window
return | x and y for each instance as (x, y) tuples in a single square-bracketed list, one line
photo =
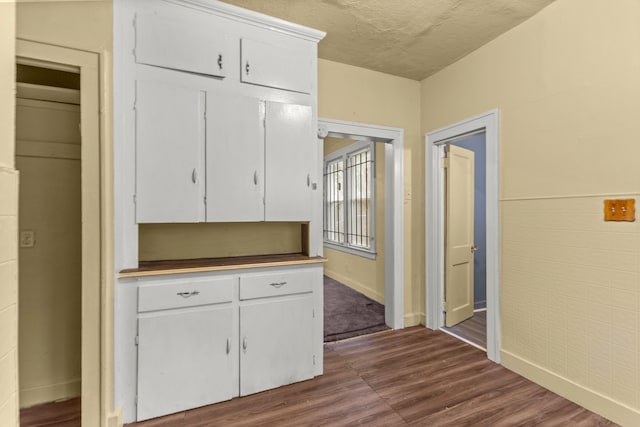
[(349, 199)]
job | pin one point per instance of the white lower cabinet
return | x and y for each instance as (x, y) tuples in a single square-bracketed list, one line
[(185, 360), (208, 339)]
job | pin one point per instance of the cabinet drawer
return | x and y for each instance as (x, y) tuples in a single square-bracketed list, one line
[(275, 284), (184, 293), (185, 46)]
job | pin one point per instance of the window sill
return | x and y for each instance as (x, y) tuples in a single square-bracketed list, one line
[(350, 250)]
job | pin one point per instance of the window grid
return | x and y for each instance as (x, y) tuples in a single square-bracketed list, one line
[(349, 197)]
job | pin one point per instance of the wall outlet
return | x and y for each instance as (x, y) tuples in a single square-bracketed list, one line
[(27, 239)]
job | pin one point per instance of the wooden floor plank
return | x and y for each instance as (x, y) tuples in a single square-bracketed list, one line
[(414, 376)]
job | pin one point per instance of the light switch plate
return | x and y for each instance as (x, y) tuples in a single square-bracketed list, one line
[(620, 210), (27, 239)]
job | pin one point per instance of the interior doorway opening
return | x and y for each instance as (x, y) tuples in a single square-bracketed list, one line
[(471, 328), (87, 154), (391, 140), (48, 157), (435, 222)]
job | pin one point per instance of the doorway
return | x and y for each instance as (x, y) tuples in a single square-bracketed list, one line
[(393, 142), (87, 66), (47, 155), (436, 142)]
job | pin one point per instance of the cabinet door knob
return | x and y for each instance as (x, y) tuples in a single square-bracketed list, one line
[(246, 67), (194, 175), (220, 61)]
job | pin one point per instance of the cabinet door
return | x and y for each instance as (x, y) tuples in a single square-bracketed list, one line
[(290, 150), (181, 45), (287, 65), (276, 343), (235, 158), (185, 360), (169, 153)]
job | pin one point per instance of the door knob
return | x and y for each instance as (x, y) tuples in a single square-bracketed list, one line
[(474, 248)]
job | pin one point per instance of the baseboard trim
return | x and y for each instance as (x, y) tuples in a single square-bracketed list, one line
[(49, 393), (414, 319), (114, 419), (593, 401), (356, 286)]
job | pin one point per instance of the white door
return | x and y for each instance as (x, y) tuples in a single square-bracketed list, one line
[(459, 245), (276, 343), (185, 360), (235, 158), (169, 153), (290, 148)]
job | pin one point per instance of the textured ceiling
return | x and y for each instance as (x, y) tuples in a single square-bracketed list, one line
[(408, 38)]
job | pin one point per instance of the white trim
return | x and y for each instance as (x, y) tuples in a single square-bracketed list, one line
[(434, 223), (394, 212)]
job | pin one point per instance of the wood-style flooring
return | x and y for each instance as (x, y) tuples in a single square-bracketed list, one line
[(473, 329), (60, 414), (414, 377)]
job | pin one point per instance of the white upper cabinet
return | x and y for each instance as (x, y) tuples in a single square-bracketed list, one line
[(169, 146), (289, 144), (287, 66), (180, 45), (235, 158)]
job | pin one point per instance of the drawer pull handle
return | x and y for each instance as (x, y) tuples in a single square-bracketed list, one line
[(244, 344), (228, 345), (220, 61), (277, 284), (188, 294)]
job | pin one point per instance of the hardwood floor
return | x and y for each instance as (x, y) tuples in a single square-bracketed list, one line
[(473, 329), (65, 413), (414, 377)]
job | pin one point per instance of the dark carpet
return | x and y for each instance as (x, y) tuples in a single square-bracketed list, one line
[(348, 313)]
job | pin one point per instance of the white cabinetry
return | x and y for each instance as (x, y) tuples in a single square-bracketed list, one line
[(289, 149), (187, 345), (169, 152), (235, 158), (202, 341), (161, 41), (287, 65), (276, 318)]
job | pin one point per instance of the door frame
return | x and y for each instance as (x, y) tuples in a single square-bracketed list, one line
[(393, 212), (434, 222), (93, 285)]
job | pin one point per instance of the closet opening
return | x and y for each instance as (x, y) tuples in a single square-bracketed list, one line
[(48, 158)]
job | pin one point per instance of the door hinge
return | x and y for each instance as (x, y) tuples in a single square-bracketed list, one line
[(137, 339), (205, 200), (444, 162), (134, 199)]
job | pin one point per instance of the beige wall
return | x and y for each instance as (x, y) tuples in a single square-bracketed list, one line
[(8, 223), (567, 85), (362, 274), (359, 95), (86, 25), (48, 158)]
